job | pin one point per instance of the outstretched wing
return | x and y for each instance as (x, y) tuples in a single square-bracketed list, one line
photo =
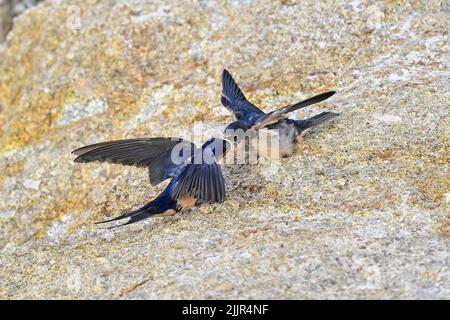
[(155, 153), (197, 183), (235, 101), (203, 182), (277, 115)]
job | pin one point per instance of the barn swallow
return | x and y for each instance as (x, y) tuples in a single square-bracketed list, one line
[(251, 117), (196, 175)]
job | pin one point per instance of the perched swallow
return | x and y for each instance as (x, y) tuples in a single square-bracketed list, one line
[(251, 117), (196, 175)]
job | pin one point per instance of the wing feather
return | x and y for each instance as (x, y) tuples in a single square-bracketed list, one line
[(202, 181), (154, 153), (235, 101), (277, 115)]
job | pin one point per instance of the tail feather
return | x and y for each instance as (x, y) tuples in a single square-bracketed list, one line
[(316, 120), (156, 207), (127, 214), (135, 218), (277, 115), (305, 103), (140, 152)]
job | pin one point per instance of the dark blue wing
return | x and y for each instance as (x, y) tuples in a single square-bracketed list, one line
[(316, 120), (277, 115), (154, 153), (170, 163), (234, 100), (203, 182)]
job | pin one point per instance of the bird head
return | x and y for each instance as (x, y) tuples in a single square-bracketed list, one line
[(236, 131), (218, 146)]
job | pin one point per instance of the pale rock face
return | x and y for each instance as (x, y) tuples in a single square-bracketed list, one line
[(375, 17), (359, 211), (10, 9), (387, 118), (7, 214), (153, 104), (31, 184), (75, 111), (5, 19)]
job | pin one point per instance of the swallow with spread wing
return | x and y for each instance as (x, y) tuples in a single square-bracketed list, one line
[(251, 117), (196, 175)]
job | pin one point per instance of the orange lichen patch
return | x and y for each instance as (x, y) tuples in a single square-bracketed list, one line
[(437, 154), (386, 154), (201, 115), (75, 201), (29, 123), (44, 212), (169, 111), (28, 111), (122, 105), (310, 147), (432, 190), (13, 169), (445, 228), (382, 200)]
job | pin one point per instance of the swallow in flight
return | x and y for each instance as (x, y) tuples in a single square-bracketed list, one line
[(196, 176), (251, 117)]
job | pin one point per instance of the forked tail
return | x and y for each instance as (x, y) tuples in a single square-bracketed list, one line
[(162, 205), (316, 120)]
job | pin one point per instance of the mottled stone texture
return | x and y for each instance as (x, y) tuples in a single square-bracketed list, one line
[(360, 210), (10, 9)]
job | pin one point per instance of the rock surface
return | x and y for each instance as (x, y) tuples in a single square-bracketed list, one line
[(360, 211), (10, 9)]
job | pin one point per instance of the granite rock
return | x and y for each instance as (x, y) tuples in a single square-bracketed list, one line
[(9, 9), (359, 211)]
